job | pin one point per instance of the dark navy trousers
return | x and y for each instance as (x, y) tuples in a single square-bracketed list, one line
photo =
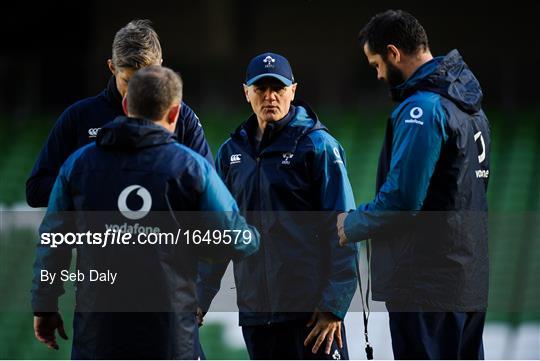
[(436, 335), (285, 341)]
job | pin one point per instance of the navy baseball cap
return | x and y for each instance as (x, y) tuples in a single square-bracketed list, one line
[(269, 65)]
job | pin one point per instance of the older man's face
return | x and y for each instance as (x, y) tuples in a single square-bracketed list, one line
[(270, 98)]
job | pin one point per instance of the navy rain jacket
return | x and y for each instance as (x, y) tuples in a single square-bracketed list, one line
[(428, 221), (149, 311), (291, 188), (79, 124)]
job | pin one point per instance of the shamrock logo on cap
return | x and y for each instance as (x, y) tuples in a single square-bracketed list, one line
[(269, 61)]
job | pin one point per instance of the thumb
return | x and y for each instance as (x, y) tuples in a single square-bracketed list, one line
[(312, 319), (61, 331)]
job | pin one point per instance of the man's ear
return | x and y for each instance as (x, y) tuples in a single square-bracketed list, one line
[(246, 92), (173, 114), (393, 54), (111, 66), (125, 105), (293, 88)]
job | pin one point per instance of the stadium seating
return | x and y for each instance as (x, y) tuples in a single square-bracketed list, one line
[(514, 199)]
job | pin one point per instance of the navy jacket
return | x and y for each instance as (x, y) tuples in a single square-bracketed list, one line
[(79, 124), (149, 312), (428, 221), (291, 187)]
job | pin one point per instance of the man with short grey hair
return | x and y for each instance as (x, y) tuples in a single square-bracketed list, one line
[(287, 172), (135, 46)]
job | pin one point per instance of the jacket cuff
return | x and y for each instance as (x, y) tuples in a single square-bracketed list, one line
[(42, 305), (351, 227), (324, 307), (44, 314)]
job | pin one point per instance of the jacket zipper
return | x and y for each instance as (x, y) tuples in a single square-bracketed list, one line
[(259, 202)]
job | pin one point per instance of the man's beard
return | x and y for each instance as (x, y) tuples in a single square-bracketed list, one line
[(394, 76)]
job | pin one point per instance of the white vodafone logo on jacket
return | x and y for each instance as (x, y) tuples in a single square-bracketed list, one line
[(139, 213)]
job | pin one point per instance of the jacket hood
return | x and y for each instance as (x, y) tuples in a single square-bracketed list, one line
[(307, 118), (130, 133), (448, 76)]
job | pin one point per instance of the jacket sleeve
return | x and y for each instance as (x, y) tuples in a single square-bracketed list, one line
[(194, 137), (48, 258), (210, 274), (221, 213), (59, 145), (209, 282), (418, 136), (336, 196)]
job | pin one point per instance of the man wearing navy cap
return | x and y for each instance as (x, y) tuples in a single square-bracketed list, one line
[(288, 176)]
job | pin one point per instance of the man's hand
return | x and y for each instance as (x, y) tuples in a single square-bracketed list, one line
[(200, 316), (341, 229), (45, 327), (327, 326)]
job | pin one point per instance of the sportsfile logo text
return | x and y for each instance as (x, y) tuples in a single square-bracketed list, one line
[(118, 237)]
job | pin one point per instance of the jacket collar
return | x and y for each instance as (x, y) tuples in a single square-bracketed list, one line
[(113, 95), (283, 135), (130, 133), (405, 89), (272, 130)]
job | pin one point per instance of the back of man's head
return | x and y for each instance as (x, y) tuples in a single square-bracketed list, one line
[(394, 27), (136, 45), (152, 91)]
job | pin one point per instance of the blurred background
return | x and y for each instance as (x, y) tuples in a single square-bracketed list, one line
[(54, 53)]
